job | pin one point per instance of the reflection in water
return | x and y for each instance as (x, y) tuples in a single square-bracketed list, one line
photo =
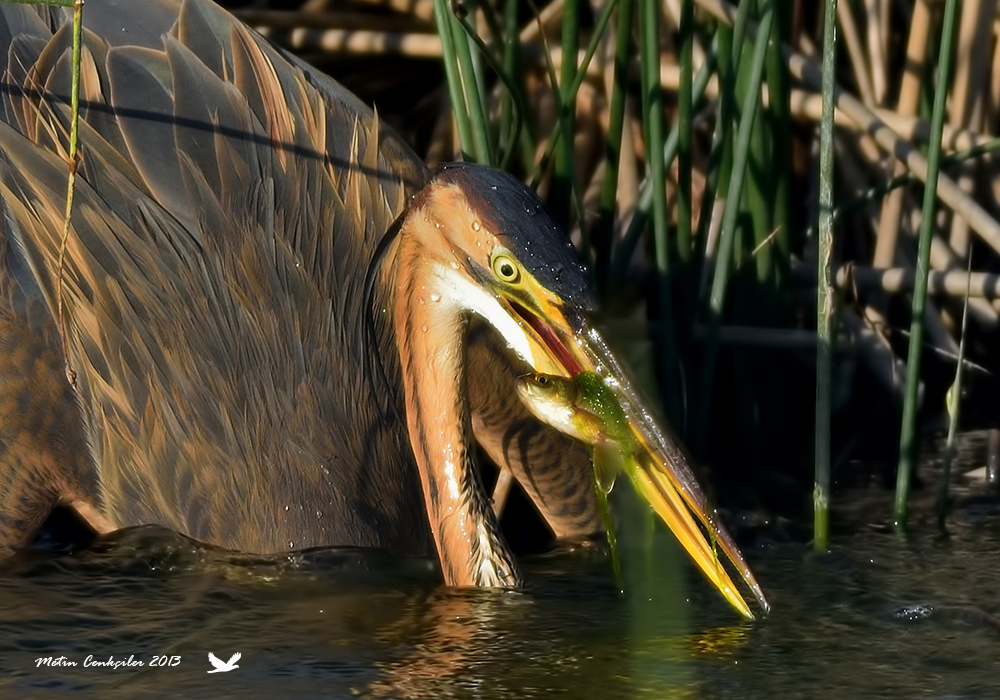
[(349, 623)]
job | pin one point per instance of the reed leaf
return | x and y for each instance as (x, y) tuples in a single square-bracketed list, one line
[(564, 175), (442, 17), (684, 128), (473, 92)]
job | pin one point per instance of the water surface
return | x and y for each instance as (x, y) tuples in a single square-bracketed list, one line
[(878, 617)]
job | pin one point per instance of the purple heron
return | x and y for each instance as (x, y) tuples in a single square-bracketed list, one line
[(280, 329)]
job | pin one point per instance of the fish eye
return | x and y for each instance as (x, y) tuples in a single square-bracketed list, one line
[(541, 380), (505, 268)]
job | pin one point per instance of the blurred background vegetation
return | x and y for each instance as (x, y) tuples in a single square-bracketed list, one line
[(698, 216)]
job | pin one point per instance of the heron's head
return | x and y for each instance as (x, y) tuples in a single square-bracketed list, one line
[(492, 250)]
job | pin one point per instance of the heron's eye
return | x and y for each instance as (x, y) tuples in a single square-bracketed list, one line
[(505, 268)]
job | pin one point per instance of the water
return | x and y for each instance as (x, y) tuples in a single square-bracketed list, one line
[(878, 617)]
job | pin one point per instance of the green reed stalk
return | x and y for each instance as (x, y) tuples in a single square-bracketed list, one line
[(825, 296), (652, 105), (473, 92), (684, 120), (686, 297), (780, 171), (603, 233), (652, 101), (511, 62), (442, 17), (719, 163), (512, 110), (727, 238), (563, 181), (907, 436), (758, 191), (759, 194), (730, 46)]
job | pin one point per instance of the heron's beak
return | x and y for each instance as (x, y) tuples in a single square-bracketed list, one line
[(563, 342)]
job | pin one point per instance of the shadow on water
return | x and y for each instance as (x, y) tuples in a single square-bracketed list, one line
[(879, 617)]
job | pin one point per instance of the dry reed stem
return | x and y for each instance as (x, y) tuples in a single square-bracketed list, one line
[(918, 130), (806, 46), (357, 41), (968, 85), (422, 9), (943, 258), (628, 170), (869, 152), (899, 280), (869, 341), (993, 108), (855, 52), (331, 19), (876, 48), (549, 18), (591, 131), (885, 25), (909, 97), (992, 111)]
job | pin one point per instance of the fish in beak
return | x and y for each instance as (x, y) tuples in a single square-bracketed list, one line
[(587, 409)]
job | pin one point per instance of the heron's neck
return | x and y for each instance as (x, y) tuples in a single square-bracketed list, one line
[(430, 334)]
